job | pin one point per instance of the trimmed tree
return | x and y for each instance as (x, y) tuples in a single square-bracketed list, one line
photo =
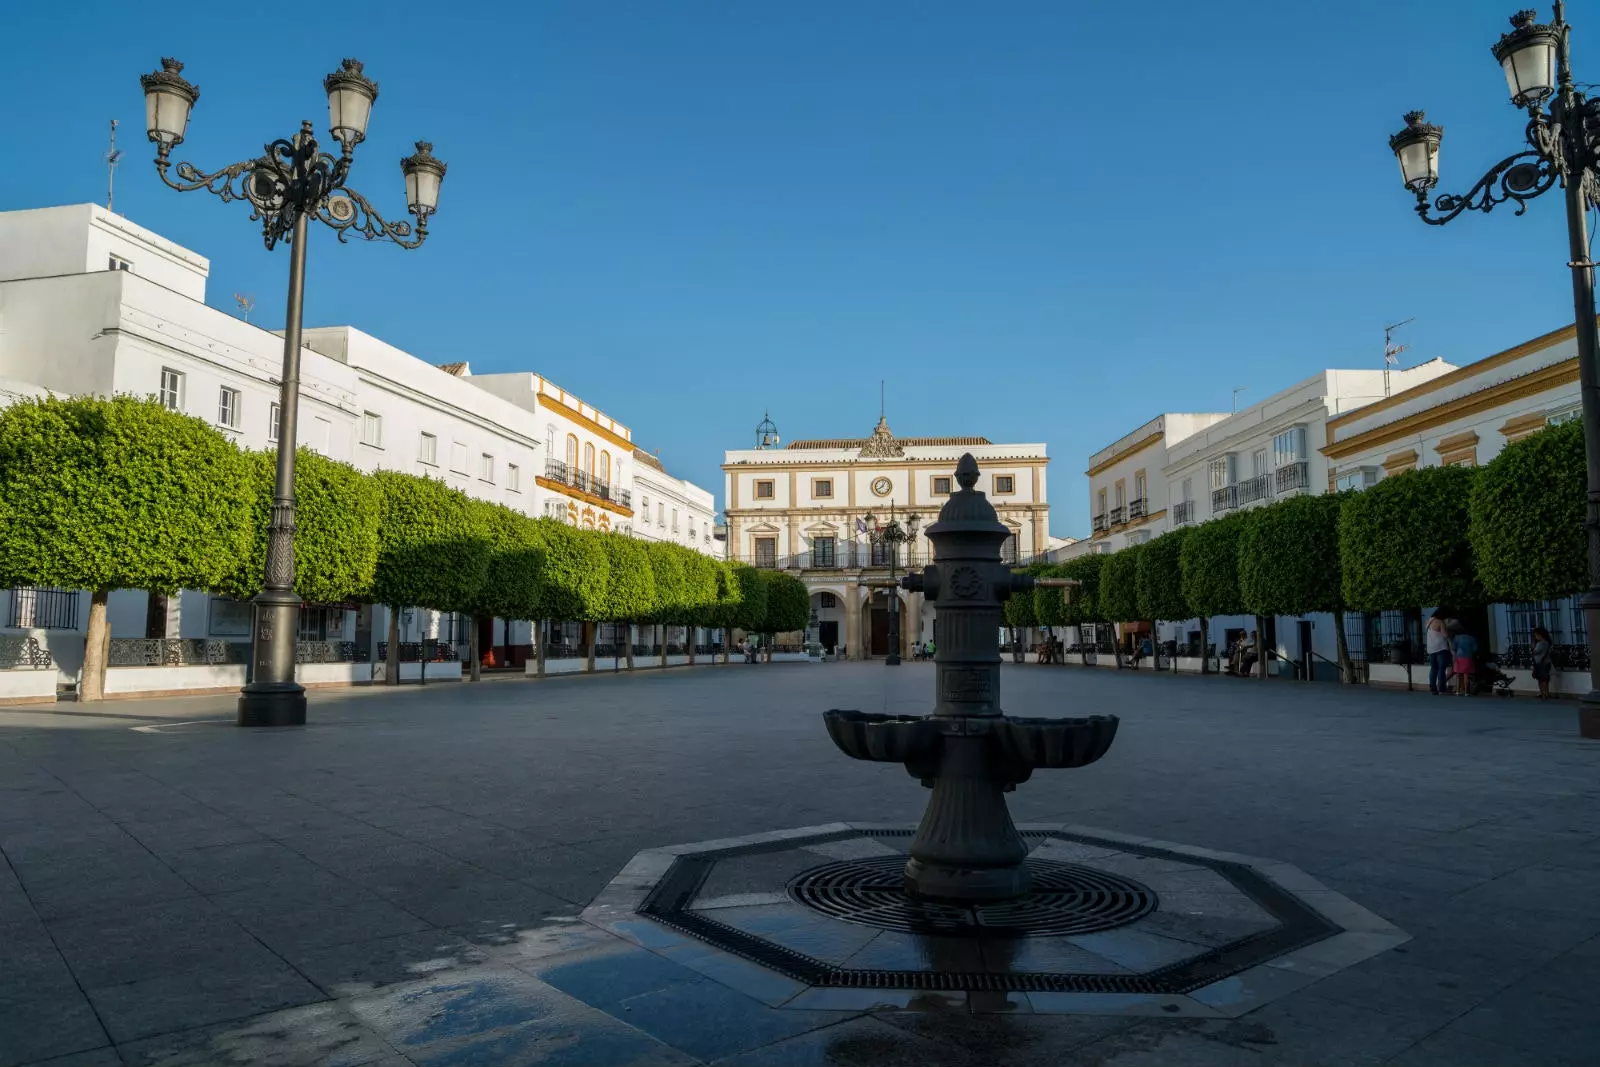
[(630, 585), (576, 579), (729, 605), (1209, 559), (118, 494), (788, 607), (513, 580), (672, 586), (1526, 518), (1050, 604), (700, 591), (1083, 602), (1018, 614), (336, 529), (1160, 582), (433, 552), (1403, 543), (1119, 588), (1289, 563), (751, 597)]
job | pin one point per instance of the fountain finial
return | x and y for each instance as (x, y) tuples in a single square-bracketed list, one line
[(967, 471)]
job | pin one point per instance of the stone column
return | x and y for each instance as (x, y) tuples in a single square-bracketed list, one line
[(852, 621)]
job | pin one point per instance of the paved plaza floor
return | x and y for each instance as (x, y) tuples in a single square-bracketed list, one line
[(400, 882)]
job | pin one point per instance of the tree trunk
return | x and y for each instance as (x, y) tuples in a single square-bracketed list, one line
[(391, 658), (96, 649), (1083, 646), (1261, 647), (540, 627), (630, 646), (1346, 673), (688, 642), (662, 628), (590, 630), (1205, 642), (476, 673)]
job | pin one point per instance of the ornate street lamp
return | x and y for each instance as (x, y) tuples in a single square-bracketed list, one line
[(1564, 142), (893, 534), (291, 183)]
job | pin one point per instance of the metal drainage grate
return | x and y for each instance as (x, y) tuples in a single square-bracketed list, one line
[(1065, 899)]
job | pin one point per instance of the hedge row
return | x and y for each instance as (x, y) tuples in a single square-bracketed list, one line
[(1457, 536)]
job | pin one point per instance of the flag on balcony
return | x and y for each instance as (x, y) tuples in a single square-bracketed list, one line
[(861, 526)]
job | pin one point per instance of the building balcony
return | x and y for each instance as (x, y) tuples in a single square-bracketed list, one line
[(1119, 515), (1100, 524), (1292, 476), (1224, 499), (845, 557), (584, 482), (1257, 488), (1138, 509), (1183, 513)]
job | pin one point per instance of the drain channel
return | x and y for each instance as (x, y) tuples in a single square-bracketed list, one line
[(1065, 899)]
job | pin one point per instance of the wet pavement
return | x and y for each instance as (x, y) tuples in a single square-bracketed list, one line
[(402, 880)]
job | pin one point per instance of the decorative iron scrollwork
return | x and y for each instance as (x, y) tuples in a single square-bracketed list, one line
[(1517, 178)]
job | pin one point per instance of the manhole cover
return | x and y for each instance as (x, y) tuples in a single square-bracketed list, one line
[(1065, 899)]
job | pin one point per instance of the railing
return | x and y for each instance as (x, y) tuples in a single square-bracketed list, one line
[(44, 608), (1183, 513), (1257, 488), (846, 556), (330, 652), (1119, 515), (1100, 524), (583, 481), (1136, 509), (411, 651), (22, 651), (175, 652), (1293, 476), (1224, 499)]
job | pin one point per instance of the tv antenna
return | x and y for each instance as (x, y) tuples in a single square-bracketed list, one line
[(246, 303), (112, 158), (1391, 351), (1236, 391)]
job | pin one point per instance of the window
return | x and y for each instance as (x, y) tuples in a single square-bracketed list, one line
[(1289, 446), (1557, 418), (1122, 494), (691, 529), (1258, 463), (1100, 503), (661, 513), (486, 468), (822, 488), (171, 389), (822, 555), (1005, 483), (1138, 485), (941, 486), (1188, 490), (588, 459), (458, 457), (118, 263), (827, 600), (274, 423), (1358, 478), (605, 466), (572, 453), (1221, 472), (764, 490), (428, 449), (228, 618), (766, 552), (228, 407), (644, 509), (513, 477), (674, 520), (372, 429)]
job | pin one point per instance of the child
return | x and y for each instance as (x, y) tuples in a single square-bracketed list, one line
[(1466, 647)]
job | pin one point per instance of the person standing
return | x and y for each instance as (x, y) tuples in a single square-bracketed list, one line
[(1438, 646), (1466, 647), (1542, 650)]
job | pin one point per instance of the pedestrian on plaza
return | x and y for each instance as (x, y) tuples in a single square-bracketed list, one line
[(1438, 645), (1466, 647), (1542, 649), (1247, 653)]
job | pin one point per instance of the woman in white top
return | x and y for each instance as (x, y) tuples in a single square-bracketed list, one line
[(1438, 645)]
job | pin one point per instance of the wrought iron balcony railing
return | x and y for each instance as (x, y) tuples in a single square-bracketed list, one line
[(1293, 476), (1183, 513), (1119, 515), (1257, 488), (1100, 524), (1224, 499), (584, 482), (1137, 509)]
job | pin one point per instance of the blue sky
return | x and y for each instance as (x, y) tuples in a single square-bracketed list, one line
[(1039, 221)]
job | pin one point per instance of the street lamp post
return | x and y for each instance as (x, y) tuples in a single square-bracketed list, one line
[(893, 534), (289, 184), (1564, 140)]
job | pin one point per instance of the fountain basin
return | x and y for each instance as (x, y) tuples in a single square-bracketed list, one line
[(883, 738), (1055, 742)]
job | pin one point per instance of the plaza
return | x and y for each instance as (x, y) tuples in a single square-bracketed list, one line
[(404, 879)]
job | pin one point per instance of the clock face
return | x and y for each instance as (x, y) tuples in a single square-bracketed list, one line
[(881, 486)]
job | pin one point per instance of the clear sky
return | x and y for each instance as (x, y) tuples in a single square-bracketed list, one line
[(1039, 221)]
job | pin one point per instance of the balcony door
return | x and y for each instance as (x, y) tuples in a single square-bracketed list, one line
[(822, 552), (766, 552)]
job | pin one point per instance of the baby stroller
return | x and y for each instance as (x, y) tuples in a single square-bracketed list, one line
[(1489, 678)]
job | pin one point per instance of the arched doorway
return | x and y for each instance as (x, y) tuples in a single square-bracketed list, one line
[(828, 620), (875, 623)]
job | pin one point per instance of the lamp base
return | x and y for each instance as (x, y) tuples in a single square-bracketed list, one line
[(272, 704)]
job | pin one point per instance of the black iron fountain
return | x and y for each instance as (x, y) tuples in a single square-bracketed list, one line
[(969, 752)]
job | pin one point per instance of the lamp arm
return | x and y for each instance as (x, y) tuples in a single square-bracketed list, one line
[(1518, 178), (350, 214)]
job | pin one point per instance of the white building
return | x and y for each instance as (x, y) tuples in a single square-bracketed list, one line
[(803, 507), (671, 509), (91, 303)]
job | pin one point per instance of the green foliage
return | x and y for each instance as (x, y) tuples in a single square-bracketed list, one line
[(336, 529), (577, 574), (1018, 610), (119, 494), (728, 606), (1160, 578), (1403, 543), (788, 604), (1526, 524), (1288, 557), (1119, 585), (751, 597), (1049, 606), (667, 564), (432, 549), (701, 589), (631, 580), (1083, 603), (513, 583), (1209, 558)]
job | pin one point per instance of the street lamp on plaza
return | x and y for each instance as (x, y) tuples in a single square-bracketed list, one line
[(288, 185), (893, 533), (1564, 150)]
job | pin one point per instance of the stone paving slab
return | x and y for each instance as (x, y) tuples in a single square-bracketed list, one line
[(491, 815)]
